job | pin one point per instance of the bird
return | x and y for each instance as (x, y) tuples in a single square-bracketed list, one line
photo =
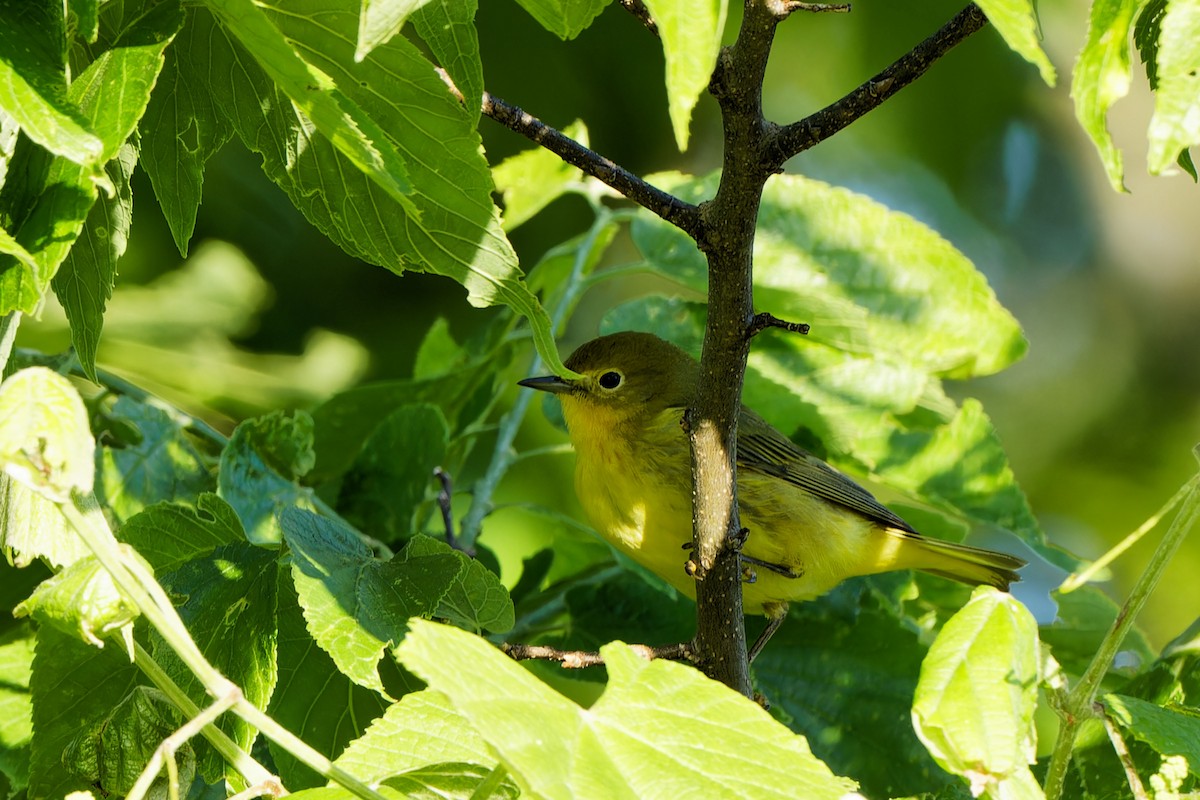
[(809, 525)]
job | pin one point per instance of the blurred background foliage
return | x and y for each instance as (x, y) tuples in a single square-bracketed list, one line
[(1099, 419)]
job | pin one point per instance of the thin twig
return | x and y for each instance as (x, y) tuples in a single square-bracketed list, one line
[(763, 320), (641, 13), (792, 7), (1078, 705), (815, 128), (443, 501), (578, 659), (679, 213)]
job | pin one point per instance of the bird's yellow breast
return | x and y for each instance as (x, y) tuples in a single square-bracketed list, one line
[(636, 488)]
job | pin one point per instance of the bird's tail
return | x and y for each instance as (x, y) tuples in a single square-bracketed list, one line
[(959, 562)]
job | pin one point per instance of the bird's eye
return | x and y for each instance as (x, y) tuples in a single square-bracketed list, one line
[(610, 380)]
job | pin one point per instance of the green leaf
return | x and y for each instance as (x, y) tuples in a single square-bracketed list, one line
[(448, 27), (1175, 124), (533, 178), (33, 81), (163, 465), (45, 441), (227, 600), (84, 282), (393, 474), (168, 535), (180, 131), (564, 18), (32, 527), (1017, 22), (627, 607), (961, 466), (1084, 619), (824, 671), (258, 471), (453, 780), (86, 18), (111, 94), (380, 20), (345, 421), (1170, 730), (83, 600), (871, 281), (112, 752), (691, 36), (647, 735), (455, 230), (421, 729), (1101, 77), (16, 707), (356, 606), (476, 599), (349, 128), (439, 353), (977, 693), (312, 698), (74, 687)]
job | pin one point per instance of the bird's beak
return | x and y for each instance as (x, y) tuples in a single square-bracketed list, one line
[(548, 383)]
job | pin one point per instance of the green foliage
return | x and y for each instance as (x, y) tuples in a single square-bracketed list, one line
[(977, 693), (655, 714), (155, 564), (691, 37)]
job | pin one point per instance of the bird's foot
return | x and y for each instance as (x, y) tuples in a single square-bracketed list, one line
[(785, 571)]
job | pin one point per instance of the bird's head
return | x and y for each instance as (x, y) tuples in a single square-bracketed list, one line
[(625, 377)]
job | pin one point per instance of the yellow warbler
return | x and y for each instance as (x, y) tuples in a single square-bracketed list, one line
[(811, 527)]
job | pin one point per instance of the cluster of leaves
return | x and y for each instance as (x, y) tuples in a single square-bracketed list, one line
[(295, 557)]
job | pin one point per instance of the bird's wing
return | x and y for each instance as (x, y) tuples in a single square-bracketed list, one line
[(763, 449)]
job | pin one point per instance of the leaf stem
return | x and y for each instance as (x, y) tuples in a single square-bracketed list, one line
[(503, 454), (1081, 577), (1077, 705), (139, 586)]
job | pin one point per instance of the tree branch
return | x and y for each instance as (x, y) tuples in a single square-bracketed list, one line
[(815, 128), (711, 423), (578, 659), (765, 319), (641, 13), (683, 215)]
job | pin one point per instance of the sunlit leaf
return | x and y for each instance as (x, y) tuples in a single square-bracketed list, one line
[(649, 734), (1176, 121), (33, 81), (163, 465), (227, 601), (975, 700), (355, 605), (45, 441), (422, 728), (1017, 22), (259, 468), (691, 36), (16, 707), (312, 698), (82, 600), (1101, 77), (476, 599), (564, 18), (533, 178)]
